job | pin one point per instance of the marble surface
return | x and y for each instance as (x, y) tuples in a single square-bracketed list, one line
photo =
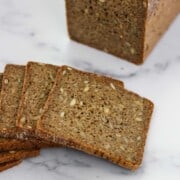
[(36, 30)]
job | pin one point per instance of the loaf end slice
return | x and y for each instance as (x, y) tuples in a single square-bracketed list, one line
[(8, 165), (96, 115), (17, 155), (39, 79)]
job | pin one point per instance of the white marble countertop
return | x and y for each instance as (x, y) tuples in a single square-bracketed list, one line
[(36, 30)]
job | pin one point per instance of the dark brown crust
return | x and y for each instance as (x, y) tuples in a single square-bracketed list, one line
[(17, 155), (15, 144), (8, 165), (44, 134)]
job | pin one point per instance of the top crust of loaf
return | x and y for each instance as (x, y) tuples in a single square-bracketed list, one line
[(74, 129)]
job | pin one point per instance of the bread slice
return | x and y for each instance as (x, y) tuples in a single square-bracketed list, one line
[(96, 115), (14, 144), (10, 95), (8, 165), (39, 79), (17, 155), (12, 82)]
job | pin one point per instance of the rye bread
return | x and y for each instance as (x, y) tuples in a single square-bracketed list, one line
[(8, 165), (96, 115), (12, 83), (38, 81), (11, 91), (13, 144), (125, 28), (17, 155)]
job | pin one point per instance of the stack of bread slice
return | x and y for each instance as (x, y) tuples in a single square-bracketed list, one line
[(43, 105)]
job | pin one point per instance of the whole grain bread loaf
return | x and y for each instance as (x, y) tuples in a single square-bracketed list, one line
[(8, 165), (128, 28), (96, 115), (39, 79), (17, 155)]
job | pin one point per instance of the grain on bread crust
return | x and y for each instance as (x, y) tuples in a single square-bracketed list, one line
[(8, 165), (38, 81), (96, 115), (17, 155)]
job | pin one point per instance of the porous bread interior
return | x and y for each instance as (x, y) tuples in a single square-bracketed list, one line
[(39, 79), (98, 113)]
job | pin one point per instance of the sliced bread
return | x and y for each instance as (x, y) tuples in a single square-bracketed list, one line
[(12, 83), (96, 115), (8, 165), (39, 79), (9, 99), (14, 144)]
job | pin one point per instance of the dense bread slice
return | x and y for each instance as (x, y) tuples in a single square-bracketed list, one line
[(125, 28), (8, 165), (12, 82), (39, 79), (17, 155), (96, 115), (9, 100), (14, 144)]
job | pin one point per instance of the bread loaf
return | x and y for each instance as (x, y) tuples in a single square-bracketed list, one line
[(125, 28)]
